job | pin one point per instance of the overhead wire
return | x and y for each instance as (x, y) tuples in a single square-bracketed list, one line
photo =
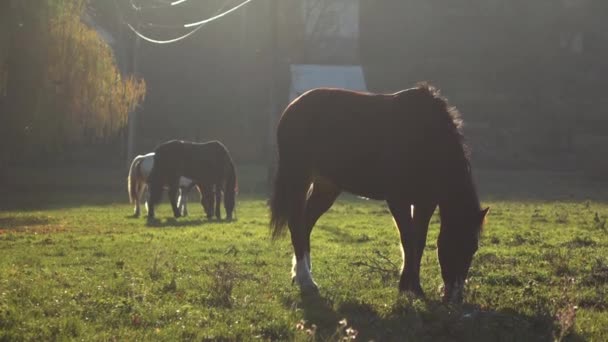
[(206, 21), (177, 2), (198, 24)]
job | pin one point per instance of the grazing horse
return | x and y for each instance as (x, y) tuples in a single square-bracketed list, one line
[(404, 148), (208, 165), (140, 169)]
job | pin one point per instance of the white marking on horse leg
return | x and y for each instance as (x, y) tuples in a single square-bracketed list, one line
[(310, 189), (412, 211), (180, 202), (308, 261), (184, 203), (300, 273)]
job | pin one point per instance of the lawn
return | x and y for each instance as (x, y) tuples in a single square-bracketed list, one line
[(74, 265)]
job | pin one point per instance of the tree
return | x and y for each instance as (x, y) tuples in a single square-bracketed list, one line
[(61, 84)]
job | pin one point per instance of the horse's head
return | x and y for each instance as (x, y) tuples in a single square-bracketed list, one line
[(458, 242)]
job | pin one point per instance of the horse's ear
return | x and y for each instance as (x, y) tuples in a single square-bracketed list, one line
[(483, 213)]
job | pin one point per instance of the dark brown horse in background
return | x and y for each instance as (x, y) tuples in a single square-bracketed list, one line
[(208, 165), (405, 148)]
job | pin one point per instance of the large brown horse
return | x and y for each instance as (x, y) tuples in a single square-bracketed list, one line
[(405, 148), (208, 165)]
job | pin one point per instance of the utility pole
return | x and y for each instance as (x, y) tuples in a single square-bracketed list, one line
[(273, 112), (132, 119)]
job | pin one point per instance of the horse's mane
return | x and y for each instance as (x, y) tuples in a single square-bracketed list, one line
[(448, 116)]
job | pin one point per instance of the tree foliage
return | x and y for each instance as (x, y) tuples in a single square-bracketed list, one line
[(59, 83)]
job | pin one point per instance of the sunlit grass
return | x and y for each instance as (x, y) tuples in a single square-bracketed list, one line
[(90, 272)]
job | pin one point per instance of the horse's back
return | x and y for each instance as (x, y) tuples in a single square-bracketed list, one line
[(369, 144), (147, 162), (201, 162)]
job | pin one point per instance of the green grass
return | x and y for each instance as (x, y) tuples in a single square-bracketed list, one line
[(74, 266)]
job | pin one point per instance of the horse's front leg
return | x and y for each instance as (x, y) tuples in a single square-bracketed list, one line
[(182, 201), (412, 231), (206, 199), (156, 191), (173, 193)]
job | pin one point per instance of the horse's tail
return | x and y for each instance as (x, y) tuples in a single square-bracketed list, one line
[(231, 185), (289, 193), (131, 182)]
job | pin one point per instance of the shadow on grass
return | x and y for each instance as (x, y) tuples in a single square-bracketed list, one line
[(187, 221), (340, 235), (32, 224), (426, 320), (17, 222), (59, 199)]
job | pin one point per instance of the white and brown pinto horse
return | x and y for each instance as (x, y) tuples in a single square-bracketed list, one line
[(140, 169)]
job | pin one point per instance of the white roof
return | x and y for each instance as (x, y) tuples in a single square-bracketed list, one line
[(309, 76)]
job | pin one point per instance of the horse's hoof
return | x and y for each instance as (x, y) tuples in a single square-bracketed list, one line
[(414, 291), (306, 287), (309, 289)]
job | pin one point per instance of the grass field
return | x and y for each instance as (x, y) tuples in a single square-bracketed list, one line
[(73, 265)]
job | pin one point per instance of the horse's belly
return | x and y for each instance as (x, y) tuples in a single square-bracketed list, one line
[(184, 182), (381, 181), (360, 183)]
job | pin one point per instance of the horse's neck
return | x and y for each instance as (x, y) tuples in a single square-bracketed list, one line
[(460, 195)]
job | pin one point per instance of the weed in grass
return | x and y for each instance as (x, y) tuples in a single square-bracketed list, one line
[(558, 261), (171, 287), (517, 240), (343, 332), (561, 217), (599, 273), (599, 222), (155, 273), (579, 242), (565, 314), (538, 217), (224, 276), (495, 240), (381, 265)]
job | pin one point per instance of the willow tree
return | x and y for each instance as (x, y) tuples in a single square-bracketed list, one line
[(60, 82)]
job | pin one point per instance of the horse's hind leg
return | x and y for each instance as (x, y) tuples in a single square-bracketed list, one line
[(141, 186), (218, 200), (299, 237), (137, 199), (323, 195), (412, 231)]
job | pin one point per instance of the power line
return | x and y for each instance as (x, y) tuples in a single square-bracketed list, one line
[(206, 21), (177, 2), (198, 24), (168, 41)]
